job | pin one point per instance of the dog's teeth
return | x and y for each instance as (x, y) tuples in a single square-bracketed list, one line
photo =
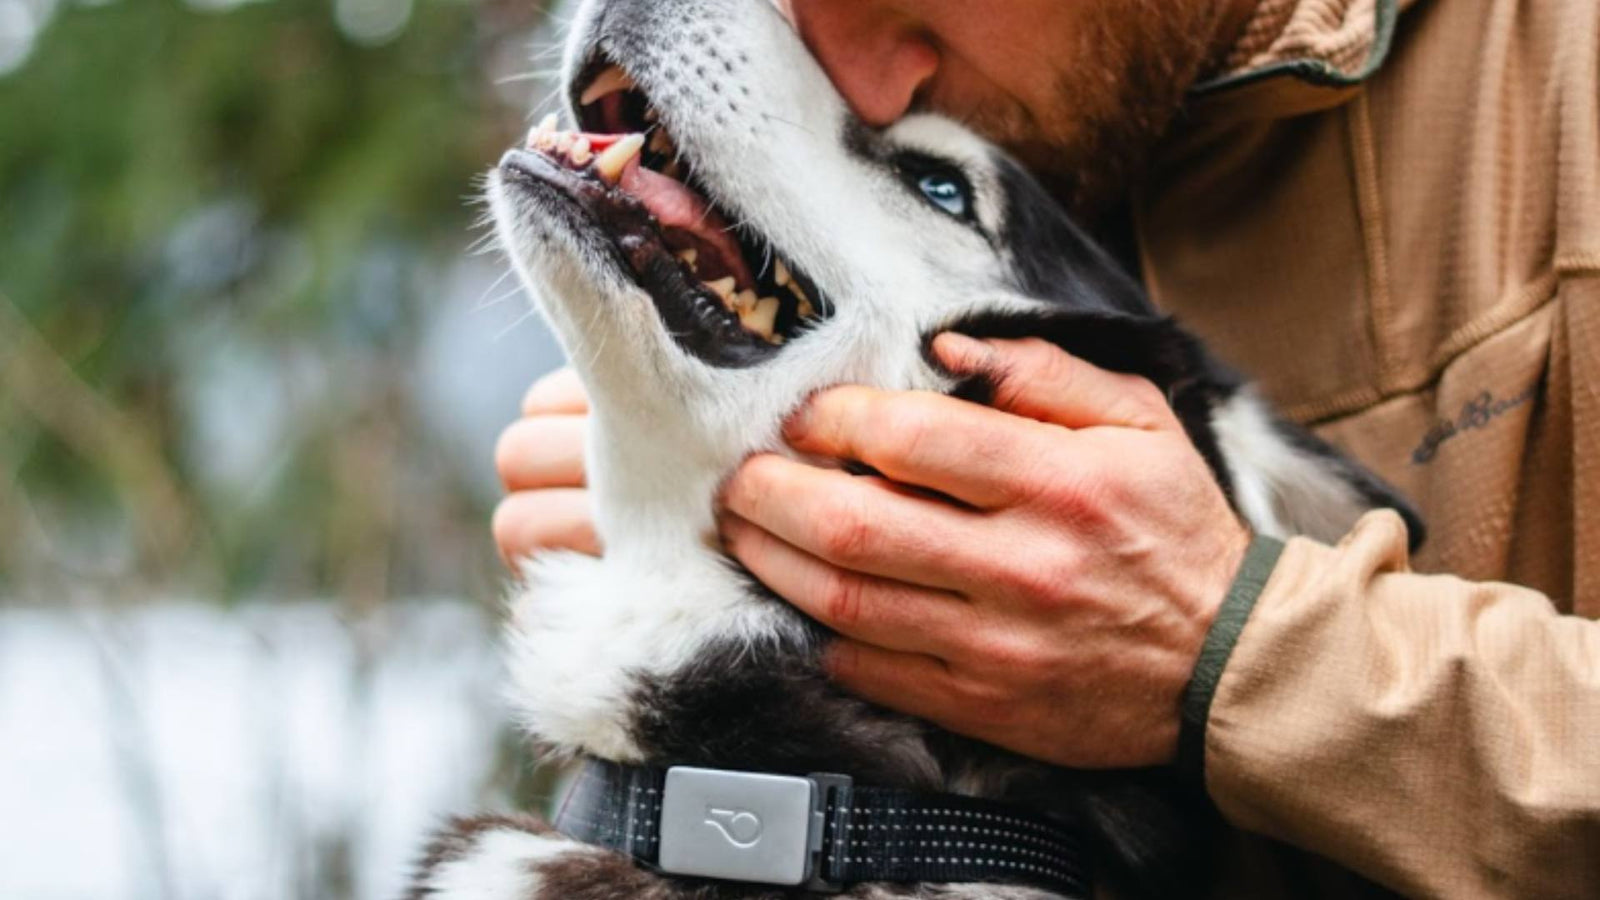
[(762, 317), (582, 152), (660, 143), (674, 170), (780, 273), (609, 82), (805, 308), (744, 302), (617, 156), (564, 142), (652, 115), (690, 256), (723, 287), (538, 133)]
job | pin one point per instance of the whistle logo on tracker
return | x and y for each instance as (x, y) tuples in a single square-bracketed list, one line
[(740, 827)]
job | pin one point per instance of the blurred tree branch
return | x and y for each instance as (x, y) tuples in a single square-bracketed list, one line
[(44, 387)]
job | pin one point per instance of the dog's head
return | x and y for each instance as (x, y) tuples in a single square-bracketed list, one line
[(760, 244)]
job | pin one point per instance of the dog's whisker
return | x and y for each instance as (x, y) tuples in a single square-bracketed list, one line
[(795, 125), (484, 303), (516, 323)]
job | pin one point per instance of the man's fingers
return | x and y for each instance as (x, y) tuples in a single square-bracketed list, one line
[(1037, 379), (530, 522), (912, 683), (969, 452), (855, 523), (558, 393), (542, 452), (887, 613)]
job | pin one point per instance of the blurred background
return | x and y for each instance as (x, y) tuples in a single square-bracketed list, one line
[(252, 365)]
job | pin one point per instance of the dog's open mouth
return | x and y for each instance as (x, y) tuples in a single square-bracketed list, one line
[(722, 290)]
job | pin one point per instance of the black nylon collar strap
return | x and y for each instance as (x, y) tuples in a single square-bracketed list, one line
[(867, 834)]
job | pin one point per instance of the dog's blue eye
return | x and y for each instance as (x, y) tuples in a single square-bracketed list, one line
[(948, 192)]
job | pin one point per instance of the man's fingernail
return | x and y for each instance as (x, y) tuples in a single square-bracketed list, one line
[(955, 349)]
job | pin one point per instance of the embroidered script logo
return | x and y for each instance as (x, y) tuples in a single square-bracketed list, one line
[(741, 827), (1475, 414)]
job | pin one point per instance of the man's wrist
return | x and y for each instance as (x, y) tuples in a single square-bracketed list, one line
[(1259, 560)]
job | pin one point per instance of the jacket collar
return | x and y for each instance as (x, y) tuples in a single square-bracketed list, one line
[(1299, 56)]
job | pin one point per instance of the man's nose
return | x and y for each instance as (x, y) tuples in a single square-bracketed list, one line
[(878, 54)]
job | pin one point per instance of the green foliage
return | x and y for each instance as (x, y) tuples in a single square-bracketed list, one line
[(174, 181)]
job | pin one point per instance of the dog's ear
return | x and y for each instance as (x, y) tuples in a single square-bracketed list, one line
[(1282, 479)]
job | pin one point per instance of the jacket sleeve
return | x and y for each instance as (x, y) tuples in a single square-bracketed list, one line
[(1439, 736)]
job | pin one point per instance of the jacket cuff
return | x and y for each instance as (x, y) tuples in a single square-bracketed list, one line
[(1259, 561)]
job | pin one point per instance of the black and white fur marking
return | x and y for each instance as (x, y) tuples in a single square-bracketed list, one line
[(664, 652)]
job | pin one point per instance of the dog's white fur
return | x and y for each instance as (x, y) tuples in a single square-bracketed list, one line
[(502, 864), (1280, 489)]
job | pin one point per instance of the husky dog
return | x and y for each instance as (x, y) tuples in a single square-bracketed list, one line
[(718, 240)]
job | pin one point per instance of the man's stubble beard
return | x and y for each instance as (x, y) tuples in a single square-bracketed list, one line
[(1120, 92)]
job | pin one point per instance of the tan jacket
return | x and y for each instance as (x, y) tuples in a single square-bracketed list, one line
[(1392, 218)]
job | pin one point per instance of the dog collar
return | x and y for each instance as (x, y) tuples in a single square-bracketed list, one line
[(819, 832)]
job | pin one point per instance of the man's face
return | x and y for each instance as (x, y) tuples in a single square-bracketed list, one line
[(1077, 89)]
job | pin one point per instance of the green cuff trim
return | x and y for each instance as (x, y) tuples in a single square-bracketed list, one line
[(1259, 561)]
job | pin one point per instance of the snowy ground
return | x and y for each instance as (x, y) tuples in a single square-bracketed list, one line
[(272, 752)]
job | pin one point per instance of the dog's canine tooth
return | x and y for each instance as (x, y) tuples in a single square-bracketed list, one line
[(761, 317), (661, 143), (617, 156), (691, 256), (744, 302), (780, 272), (723, 287), (806, 310), (582, 152), (607, 83)]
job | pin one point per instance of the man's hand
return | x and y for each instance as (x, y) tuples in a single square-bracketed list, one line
[(1054, 595), (540, 460)]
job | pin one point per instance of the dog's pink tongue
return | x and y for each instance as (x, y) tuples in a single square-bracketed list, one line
[(677, 207)]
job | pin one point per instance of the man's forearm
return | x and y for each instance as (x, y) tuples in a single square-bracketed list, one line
[(1437, 735)]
